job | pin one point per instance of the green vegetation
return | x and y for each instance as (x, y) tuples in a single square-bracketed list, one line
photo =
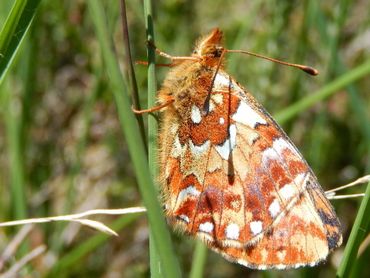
[(69, 141)]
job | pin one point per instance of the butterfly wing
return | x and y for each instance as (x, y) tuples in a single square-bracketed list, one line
[(234, 179), (304, 236)]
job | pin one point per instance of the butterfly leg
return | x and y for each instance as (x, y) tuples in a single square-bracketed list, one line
[(168, 56), (153, 109), (145, 63)]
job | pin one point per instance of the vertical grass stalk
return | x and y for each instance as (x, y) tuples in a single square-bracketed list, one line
[(199, 259), (16, 167), (130, 68), (161, 237), (358, 233), (155, 262)]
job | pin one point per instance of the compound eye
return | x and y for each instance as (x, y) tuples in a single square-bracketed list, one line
[(218, 51)]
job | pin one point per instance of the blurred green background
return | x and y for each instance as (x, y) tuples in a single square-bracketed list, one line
[(61, 145)]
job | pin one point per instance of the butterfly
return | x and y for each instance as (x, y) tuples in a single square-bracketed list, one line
[(229, 174)]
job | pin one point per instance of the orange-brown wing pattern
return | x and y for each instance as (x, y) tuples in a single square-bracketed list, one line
[(304, 236), (234, 179)]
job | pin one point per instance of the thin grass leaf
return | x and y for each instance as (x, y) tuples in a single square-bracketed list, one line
[(199, 259), (357, 235), (16, 167), (96, 225), (10, 25), (14, 31), (135, 144), (72, 217), (155, 261), (130, 68), (80, 218)]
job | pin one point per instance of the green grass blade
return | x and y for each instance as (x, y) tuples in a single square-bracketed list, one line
[(14, 30), (135, 143), (155, 262), (16, 167), (323, 93), (130, 68), (358, 233), (199, 259), (10, 24)]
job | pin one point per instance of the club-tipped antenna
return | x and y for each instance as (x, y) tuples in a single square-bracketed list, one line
[(306, 69)]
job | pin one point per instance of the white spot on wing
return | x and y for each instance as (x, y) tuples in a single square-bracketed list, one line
[(256, 227), (292, 189), (269, 154), (225, 149), (274, 208), (174, 127), (206, 227), (217, 98), (232, 231), (287, 191), (221, 121), (201, 149), (232, 132), (167, 171), (222, 81), (299, 178), (211, 106), (279, 145), (281, 255), (185, 218), (246, 115), (196, 117), (261, 267), (248, 264), (177, 148), (189, 191), (281, 266), (264, 253)]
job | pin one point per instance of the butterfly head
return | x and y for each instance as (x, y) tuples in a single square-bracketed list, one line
[(210, 46)]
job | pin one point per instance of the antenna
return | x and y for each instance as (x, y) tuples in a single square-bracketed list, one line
[(306, 69)]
